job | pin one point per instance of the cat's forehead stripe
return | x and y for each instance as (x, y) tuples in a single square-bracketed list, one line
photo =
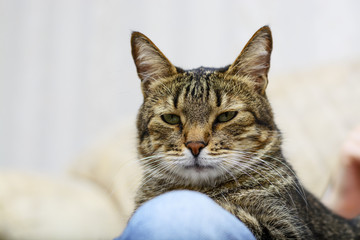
[(199, 85)]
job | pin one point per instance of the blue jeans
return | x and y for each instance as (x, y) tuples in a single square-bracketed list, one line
[(180, 215)]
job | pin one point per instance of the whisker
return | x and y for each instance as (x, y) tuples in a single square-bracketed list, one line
[(279, 171)]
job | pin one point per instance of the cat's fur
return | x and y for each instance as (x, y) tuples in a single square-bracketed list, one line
[(237, 162)]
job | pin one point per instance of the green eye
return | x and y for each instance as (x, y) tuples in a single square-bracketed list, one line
[(171, 119), (226, 116)]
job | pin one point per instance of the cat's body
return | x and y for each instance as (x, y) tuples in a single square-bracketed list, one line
[(212, 131)]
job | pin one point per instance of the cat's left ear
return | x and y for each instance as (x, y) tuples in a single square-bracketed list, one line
[(254, 60), (151, 63)]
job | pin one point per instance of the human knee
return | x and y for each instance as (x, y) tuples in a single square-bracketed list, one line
[(171, 204), (186, 215)]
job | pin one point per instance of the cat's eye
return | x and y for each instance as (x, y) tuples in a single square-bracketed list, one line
[(171, 119), (226, 116)]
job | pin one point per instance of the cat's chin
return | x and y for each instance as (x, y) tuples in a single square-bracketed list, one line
[(202, 170), (196, 175), (199, 168)]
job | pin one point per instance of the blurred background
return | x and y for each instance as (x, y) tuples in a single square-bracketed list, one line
[(67, 76), (69, 94)]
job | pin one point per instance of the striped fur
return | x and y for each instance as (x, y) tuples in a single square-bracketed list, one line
[(241, 165)]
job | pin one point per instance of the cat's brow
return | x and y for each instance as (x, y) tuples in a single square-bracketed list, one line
[(218, 98), (176, 98)]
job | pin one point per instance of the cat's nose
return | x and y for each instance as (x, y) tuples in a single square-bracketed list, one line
[(195, 147)]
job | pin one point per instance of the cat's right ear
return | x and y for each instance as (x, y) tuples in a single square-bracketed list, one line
[(151, 63)]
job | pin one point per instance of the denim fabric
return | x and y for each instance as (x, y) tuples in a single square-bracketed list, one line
[(180, 215)]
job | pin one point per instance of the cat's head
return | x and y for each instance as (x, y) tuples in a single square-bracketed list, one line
[(204, 125)]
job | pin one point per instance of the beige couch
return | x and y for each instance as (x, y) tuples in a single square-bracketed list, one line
[(314, 109)]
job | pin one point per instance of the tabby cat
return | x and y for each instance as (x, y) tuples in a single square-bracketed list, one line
[(212, 130)]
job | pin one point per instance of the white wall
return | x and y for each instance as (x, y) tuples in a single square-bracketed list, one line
[(66, 72)]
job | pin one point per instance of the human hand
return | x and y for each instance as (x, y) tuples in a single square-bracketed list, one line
[(346, 199), (349, 206)]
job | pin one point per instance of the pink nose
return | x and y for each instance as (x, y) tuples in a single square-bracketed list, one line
[(195, 147)]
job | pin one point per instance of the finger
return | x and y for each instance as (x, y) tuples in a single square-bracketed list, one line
[(355, 135)]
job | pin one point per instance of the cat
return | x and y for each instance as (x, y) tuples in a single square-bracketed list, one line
[(212, 130)]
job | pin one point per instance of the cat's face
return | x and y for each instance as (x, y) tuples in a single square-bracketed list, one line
[(204, 125)]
